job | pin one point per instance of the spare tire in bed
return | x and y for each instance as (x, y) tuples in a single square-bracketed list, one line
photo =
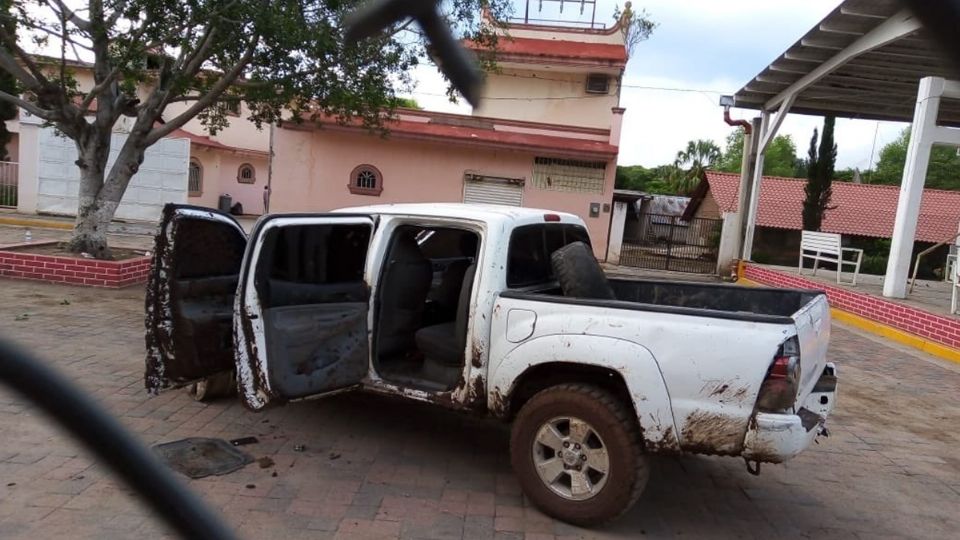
[(579, 274)]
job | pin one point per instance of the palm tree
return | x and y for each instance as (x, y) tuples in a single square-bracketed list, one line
[(694, 161)]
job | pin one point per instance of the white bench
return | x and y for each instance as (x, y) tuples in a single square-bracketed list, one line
[(826, 247)]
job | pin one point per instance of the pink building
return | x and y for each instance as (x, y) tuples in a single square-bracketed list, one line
[(546, 135)]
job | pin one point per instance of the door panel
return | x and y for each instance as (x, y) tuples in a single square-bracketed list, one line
[(303, 307), (190, 291), (315, 347)]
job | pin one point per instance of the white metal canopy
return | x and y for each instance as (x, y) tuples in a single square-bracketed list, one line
[(868, 59), (864, 60)]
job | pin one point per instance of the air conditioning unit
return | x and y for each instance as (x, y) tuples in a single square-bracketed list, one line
[(598, 83)]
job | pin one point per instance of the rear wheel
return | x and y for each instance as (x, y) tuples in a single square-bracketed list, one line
[(576, 451), (213, 387)]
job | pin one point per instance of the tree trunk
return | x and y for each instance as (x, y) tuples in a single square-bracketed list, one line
[(93, 213), (90, 230)]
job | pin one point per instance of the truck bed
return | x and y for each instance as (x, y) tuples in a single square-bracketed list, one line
[(757, 304)]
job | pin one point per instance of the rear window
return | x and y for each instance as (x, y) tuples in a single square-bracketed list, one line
[(528, 261)]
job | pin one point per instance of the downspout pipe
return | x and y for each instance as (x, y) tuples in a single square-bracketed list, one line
[(747, 127)]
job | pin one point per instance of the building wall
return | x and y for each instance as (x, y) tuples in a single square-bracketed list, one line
[(241, 133), (519, 95), (220, 177), (161, 178), (708, 208), (312, 170), (13, 148)]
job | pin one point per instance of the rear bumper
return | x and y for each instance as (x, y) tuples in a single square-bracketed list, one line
[(775, 438)]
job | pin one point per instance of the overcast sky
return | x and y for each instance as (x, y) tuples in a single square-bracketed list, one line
[(714, 47)]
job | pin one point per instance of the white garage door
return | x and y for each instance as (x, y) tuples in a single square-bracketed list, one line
[(162, 176), (492, 191)]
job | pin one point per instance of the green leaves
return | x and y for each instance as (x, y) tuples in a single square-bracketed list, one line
[(821, 162)]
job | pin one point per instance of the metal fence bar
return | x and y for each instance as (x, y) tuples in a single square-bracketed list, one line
[(663, 242), (9, 182)]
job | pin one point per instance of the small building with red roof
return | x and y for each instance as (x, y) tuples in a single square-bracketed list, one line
[(856, 210)]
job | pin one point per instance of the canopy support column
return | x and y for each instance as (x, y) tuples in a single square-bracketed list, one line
[(924, 134), (769, 126)]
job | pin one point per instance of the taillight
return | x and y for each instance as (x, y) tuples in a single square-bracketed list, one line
[(782, 384)]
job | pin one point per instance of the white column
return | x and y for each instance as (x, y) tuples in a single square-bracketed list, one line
[(922, 136), (729, 242), (617, 223), (751, 142), (28, 182), (754, 202)]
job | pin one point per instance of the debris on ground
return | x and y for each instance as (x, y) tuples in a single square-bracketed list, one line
[(299, 448), (198, 457), (265, 462), (244, 440), (22, 317), (251, 486), (64, 302), (334, 455)]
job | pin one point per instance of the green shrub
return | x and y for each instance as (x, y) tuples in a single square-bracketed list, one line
[(762, 257), (874, 264)]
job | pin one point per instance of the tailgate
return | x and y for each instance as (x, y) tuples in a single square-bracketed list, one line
[(813, 332)]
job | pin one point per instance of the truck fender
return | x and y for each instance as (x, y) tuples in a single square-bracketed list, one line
[(633, 362)]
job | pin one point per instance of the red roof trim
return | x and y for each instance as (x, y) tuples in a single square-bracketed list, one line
[(552, 48), (207, 142), (444, 133)]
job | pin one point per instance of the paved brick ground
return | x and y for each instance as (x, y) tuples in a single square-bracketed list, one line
[(375, 468)]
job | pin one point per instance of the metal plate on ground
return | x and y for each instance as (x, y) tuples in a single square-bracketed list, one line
[(198, 457)]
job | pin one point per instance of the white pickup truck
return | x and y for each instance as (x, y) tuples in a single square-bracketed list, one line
[(500, 311)]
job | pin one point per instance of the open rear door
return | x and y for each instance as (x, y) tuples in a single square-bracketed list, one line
[(302, 308), (190, 296)]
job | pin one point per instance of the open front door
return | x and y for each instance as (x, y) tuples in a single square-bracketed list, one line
[(190, 290), (301, 325)]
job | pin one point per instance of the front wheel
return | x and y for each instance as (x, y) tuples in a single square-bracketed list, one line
[(576, 451)]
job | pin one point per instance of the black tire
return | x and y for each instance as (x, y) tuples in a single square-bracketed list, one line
[(613, 421), (579, 274), (216, 386)]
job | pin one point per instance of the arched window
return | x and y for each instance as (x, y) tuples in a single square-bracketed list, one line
[(365, 180), (246, 174), (194, 178)]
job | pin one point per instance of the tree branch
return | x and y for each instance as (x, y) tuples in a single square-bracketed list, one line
[(9, 64), (99, 88), (38, 78), (66, 13), (194, 60), (26, 105), (207, 99), (50, 32)]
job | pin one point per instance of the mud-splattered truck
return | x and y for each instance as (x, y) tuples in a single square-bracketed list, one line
[(500, 311)]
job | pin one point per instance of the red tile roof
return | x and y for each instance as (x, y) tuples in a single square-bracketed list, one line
[(552, 48), (200, 140), (858, 209), (203, 140)]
